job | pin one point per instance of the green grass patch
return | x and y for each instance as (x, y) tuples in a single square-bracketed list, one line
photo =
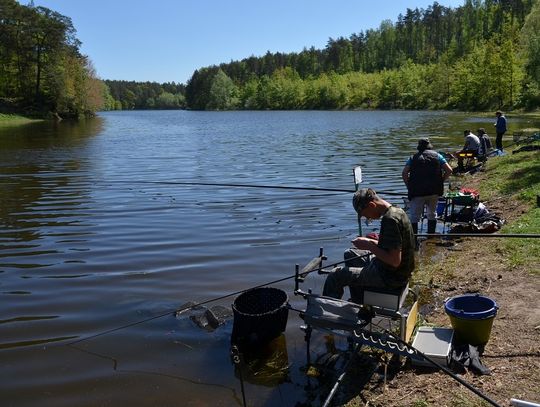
[(524, 251), (514, 174), (9, 119), (461, 400), (517, 175)]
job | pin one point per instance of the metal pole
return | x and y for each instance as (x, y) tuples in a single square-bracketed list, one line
[(237, 360), (340, 378)]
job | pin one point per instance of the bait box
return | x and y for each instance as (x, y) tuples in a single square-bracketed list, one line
[(435, 343)]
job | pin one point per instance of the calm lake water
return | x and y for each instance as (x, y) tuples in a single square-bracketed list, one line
[(95, 235)]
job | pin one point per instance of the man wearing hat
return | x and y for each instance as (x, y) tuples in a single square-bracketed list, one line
[(392, 255), (424, 175)]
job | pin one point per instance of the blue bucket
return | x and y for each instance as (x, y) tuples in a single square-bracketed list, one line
[(471, 317), (441, 206)]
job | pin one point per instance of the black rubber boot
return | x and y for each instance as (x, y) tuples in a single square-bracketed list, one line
[(431, 226), (415, 231)]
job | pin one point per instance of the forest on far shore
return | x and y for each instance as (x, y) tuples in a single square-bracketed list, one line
[(481, 56)]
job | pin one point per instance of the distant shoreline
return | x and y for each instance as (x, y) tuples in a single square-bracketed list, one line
[(14, 119)]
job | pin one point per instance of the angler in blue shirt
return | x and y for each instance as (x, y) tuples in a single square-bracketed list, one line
[(500, 128)]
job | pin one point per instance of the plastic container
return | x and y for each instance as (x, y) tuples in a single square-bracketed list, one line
[(471, 317), (441, 206), (260, 315)]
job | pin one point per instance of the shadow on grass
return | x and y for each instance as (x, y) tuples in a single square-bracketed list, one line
[(522, 178)]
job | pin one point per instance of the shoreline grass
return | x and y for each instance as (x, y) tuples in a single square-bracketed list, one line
[(510, 178), (518, 176), (14, 119)]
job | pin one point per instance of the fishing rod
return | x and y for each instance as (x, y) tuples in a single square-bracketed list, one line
[(440, 367), (492, 235), (215, 184), (529, 139), (341, 377)]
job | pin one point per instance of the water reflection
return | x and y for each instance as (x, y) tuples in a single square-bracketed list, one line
[(44, 181), (40, 135)]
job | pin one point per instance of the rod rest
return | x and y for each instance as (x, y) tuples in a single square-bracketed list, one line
[(314, 264)]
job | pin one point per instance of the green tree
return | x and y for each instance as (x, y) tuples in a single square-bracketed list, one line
[(333, 91), (223, 94), (285, 90), (41, 68), (530, 41), (248, 95), (198, 87)]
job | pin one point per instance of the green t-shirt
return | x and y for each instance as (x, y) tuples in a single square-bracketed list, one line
[(396, 233)]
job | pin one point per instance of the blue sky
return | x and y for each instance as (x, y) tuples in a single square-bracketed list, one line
[(166, 40)]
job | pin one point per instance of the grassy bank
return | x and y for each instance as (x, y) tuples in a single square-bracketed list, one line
[(510, 184), (517, 176), (13, 119)]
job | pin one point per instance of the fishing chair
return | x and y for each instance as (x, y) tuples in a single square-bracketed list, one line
[(390, 304), (358, 321), (468, 159)]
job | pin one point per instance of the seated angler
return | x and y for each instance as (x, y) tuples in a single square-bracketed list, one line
[(392, 256), (485, 144), (472, 145)]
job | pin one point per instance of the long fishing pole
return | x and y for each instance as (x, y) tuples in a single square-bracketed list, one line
[(215, 184), (341, 376), (529, 139), (444, 369), (481, 235)]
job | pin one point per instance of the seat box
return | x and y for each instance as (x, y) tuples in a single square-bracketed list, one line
[(435, 343), (390, 300)]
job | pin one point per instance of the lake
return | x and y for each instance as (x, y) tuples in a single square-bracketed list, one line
[(97, 233)]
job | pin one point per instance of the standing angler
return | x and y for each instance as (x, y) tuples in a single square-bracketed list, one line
[(424, 175), (500, 128)]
